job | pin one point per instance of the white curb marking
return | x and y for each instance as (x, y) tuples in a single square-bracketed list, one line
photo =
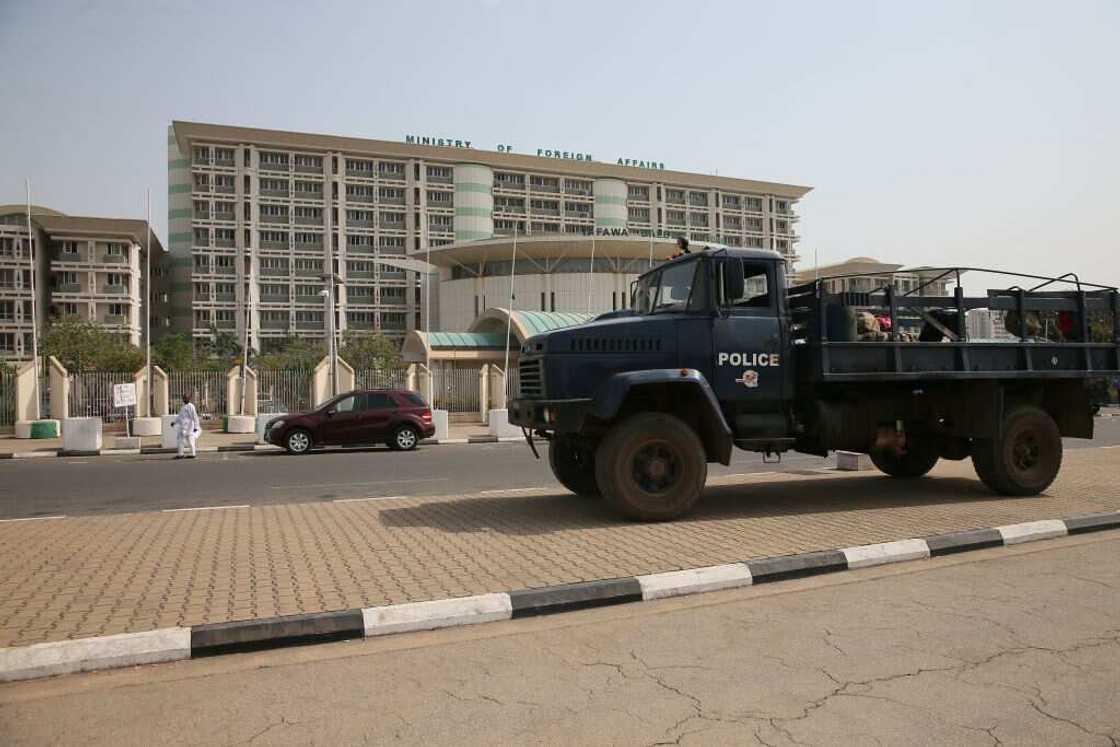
[(516, 491), (370, 498), (33, 518), (1029, 531), (202, 508), (87, 654), (694, 580), (441, 613), (886, 552)]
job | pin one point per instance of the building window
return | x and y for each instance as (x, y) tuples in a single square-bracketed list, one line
[(70, 248)]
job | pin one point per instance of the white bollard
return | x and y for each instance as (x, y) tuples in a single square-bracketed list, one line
[(168, 433), (442, 423), (81, 435), (146, 426), (263, 421), (852, 461), (500, 426)]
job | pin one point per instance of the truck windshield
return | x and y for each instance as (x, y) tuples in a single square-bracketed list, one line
[(666, 290)]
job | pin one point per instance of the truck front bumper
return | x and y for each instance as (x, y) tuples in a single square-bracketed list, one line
[(561, 415)]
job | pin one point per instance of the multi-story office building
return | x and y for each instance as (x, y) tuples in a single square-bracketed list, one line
[(259, 217), (88, 268)]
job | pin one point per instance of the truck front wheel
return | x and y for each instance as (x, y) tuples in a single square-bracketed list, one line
[(918, 460), (651, 467), (573, 464), (1024, 458)]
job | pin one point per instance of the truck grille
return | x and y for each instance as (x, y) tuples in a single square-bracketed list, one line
[(531, 378)]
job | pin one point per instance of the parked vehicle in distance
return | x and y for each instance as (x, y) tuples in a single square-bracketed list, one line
[(396, 417)]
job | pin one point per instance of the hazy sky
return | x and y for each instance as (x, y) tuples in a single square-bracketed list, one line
[(935, 132)]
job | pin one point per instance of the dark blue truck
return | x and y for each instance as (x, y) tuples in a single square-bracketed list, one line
[(717, 352)]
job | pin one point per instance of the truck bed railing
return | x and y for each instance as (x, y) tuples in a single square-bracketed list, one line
[(1040, 333)]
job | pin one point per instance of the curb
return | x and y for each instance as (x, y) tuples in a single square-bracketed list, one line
[(170, 644), (229, 448)]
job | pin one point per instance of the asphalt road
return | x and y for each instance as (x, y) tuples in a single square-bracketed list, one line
[(1014, 645), (104, 485)]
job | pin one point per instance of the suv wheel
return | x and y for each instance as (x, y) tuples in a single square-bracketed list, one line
[(298, 442), (651, 467), (404, 438), (573, 464)]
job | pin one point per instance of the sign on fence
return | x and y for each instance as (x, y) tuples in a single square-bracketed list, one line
[(124, 395)]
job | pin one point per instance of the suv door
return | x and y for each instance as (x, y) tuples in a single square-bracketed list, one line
[(378, 416), (749, 366), (340, 420)]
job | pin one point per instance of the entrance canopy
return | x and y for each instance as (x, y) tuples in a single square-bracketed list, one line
[(486, 339)]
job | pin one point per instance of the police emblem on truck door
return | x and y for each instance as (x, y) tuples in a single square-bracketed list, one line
[(749, 379)]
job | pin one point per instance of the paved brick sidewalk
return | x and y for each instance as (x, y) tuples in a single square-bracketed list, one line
[(86, 576)]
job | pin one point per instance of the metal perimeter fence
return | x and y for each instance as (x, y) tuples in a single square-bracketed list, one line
[(207, 390), (7, 399), (91, 394), (381, 378), (280, 391)]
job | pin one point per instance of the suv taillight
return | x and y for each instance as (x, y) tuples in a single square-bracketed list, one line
[(426, 416)]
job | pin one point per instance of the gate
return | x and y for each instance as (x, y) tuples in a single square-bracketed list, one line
[(456, 390)]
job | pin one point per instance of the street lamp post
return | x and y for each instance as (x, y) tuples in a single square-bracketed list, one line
[(332, 349)]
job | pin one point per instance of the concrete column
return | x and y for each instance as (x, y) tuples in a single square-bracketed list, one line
[(321, 380), (140, 379), (162, 397), (233, 391), (412, 382), (60, 389), (25, 391), (483, 391), (424, 383), (497, 388)]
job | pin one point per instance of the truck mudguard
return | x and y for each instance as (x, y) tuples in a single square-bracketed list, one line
[(691, 393)]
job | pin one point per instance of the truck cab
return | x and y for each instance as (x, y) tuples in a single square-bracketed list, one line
[(704, 347)]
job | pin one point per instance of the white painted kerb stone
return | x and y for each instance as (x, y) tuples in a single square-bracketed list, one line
[(1029, 531), (441, 613), (886, 552), (88, 654), (694, 580)]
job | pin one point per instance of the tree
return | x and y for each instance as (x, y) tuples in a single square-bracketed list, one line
[(220, 351), (173, 353), (86, 346), (369, 350), (294, 353)]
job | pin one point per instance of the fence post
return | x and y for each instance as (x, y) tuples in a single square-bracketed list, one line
[(483, 391), (347, 381), (411, 381), (60, 389), (27, 426), (140, 379)]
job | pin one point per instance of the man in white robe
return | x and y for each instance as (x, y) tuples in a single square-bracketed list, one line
[(189, 427)]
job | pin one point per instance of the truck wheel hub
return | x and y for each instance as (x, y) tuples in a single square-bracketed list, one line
[(1025, 452), (656, 468)]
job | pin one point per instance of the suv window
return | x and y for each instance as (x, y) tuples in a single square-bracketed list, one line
[(413, 398), (378, 401), (346, 404)]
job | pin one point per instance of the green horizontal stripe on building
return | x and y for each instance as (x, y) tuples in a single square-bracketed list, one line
[(472, 235), (473, 187), (179, 213), (474, 212), (178, 163), (610, 200), (610, 222), (177, 189)]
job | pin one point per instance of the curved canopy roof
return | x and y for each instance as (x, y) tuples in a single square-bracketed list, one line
[(486, 339)]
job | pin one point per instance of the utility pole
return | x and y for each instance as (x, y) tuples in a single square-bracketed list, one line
[(332, 350), (34, 304), (509, 314), (148, 311)]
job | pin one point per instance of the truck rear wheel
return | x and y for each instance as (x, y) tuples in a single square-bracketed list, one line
[(918, 460), (1026, 455), (651, 467), (573, 464)]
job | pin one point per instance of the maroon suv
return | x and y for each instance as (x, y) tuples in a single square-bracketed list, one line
[(395, 417)]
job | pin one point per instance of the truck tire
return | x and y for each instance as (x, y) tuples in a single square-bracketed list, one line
[(1026, 455), (918, 460), (573, 464), (651, 467)]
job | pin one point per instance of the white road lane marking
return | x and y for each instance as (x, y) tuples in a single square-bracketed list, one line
[(370, 498), (507, 491), (32, 518), (202, 508)]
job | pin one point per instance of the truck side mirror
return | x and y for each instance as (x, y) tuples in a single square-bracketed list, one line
[(734, 285)]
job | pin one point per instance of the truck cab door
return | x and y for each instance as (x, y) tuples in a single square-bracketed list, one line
[(749, 363)]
